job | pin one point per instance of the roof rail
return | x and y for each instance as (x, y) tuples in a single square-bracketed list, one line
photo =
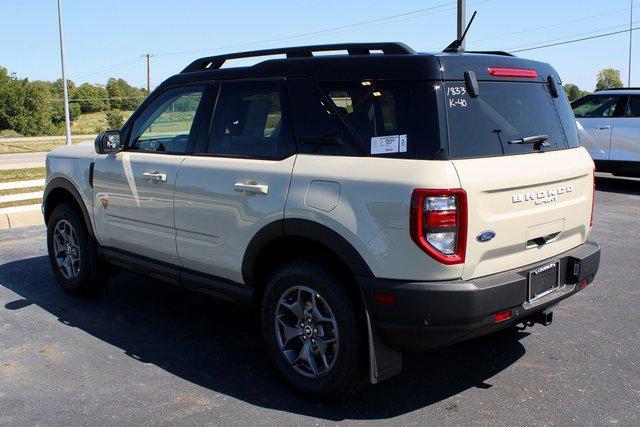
[(490, 52), (619, 88), (215, 62)]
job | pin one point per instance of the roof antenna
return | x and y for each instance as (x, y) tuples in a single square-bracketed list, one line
[(456, 45)]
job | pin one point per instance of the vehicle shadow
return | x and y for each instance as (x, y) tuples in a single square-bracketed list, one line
[(219, 347), (621, 185)]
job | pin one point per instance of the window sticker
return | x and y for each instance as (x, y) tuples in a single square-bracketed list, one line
[(389, 144)]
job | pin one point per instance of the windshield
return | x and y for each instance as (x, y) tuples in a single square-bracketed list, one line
[(507, 118)]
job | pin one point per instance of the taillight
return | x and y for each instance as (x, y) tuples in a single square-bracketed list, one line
[(521, 73), (593, 199), (438, 223)]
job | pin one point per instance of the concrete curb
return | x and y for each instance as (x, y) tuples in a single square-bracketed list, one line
[(14, 218)]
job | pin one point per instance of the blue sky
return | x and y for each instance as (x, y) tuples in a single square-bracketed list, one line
[(102, 34)]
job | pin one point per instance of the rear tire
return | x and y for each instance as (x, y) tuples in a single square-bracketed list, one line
[(72, 253), (314, 330)]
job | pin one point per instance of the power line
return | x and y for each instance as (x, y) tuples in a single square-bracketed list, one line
[(101, 99), (528, 30), (576, 40), (317, 32), (113, 67), (568, 37)]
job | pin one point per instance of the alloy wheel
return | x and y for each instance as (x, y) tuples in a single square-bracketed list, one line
[(306, 331), (66, 249)]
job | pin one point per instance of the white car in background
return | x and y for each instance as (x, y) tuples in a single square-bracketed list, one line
[(609, 127)]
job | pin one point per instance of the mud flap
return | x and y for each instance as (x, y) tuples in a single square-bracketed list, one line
[(384, 362)]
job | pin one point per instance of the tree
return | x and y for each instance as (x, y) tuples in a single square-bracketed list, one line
[(115, 120), (608, 78), (123, 95), (91, 98), (25, 107), (573, 92)]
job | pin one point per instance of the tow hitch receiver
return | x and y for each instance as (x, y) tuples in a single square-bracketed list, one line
[(544, 318)]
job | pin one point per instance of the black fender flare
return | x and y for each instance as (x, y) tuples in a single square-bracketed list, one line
[(65, 184), (302, 228)]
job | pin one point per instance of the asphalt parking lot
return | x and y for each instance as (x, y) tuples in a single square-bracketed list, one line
[(149, 353)]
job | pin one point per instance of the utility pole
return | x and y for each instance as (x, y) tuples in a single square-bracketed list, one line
[(462, 19), (148, 56), (67, 121), (630, 41)]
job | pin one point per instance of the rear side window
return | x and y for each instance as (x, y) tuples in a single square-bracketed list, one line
[(367, 118), (389, 118), (249, 121), (317, 124), (502, 114), (633, 108), (601, 106)]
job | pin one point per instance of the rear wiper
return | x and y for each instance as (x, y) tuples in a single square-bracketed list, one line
[(538, 141)]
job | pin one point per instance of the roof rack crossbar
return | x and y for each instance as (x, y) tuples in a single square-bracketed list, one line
[(215, 62)]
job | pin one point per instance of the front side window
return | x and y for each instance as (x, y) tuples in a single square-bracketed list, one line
[(166, 124), (249, 122), (595, 107), (633, 108)]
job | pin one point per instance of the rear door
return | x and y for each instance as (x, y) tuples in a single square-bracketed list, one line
[(625, 139), (595, 115), (537, 200), (237, 182)]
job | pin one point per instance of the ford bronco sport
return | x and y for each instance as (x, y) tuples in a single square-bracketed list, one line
[(366, 203)]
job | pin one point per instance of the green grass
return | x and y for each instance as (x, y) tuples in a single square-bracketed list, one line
[(21, 174), (28, 146), (91, 123), (85, 124), (20, 203), (20, 190)]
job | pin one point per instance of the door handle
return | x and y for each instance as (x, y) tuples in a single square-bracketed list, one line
[(604, 127), (251, 187), (155, 176)]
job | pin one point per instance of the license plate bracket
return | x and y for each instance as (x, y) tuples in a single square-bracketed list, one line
[(543, 280)]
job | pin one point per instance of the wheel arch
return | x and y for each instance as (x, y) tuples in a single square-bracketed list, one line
[(61, 190), (293, 237)]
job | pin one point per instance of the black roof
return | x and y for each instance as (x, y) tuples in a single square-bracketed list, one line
[(381, 61)]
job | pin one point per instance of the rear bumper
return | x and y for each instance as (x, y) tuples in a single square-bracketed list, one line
[(433, 314)]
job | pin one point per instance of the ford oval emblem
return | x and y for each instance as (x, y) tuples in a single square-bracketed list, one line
[(485, 236)]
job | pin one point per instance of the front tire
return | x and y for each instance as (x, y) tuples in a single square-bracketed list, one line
[(314, 330), (71, 252)]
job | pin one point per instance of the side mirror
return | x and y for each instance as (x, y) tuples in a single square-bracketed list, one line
[(108, 142)]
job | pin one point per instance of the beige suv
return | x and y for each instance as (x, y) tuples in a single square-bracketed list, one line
[(365, 203)]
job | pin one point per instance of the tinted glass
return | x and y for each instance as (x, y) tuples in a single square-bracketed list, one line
[(318, 127), (503, 113), (595, 106), (166, 124), (248, 121), (633, 108), (391, 119)]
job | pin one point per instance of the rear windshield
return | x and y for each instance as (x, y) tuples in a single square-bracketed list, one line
[(504, 112)]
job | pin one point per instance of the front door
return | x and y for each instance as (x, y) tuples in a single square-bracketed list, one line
[(134, 189), (595, 120), (238, 182), (625, 140)]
